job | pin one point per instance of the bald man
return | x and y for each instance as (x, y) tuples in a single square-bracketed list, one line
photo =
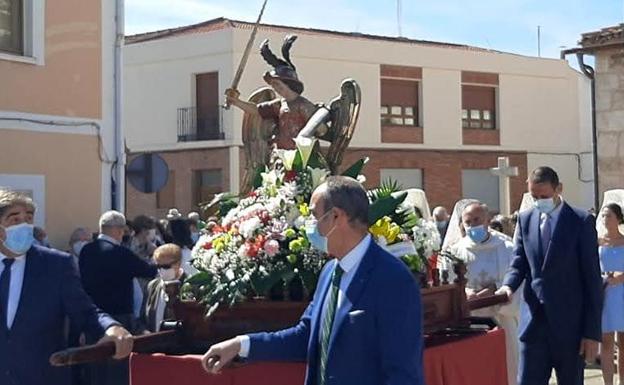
[(487, 255)]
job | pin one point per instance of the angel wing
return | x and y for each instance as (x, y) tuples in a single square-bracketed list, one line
[(345, 110), (256, 135)]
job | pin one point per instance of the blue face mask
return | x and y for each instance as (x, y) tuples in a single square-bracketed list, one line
[(545, 206), (195, 237), (19, 238), (315, 238), (477, 233)]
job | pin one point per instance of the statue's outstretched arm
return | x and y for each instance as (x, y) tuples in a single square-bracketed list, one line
[(233, 98)]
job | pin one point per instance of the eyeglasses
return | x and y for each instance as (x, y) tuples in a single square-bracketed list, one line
[(164, 265), (312, 221)]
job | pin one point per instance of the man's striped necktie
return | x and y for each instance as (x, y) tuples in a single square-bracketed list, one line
[(328, 322)]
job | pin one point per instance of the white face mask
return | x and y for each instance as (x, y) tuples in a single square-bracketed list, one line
[(168, 274), (77, 247)]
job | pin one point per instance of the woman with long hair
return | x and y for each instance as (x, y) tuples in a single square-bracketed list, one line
[(612, 265)]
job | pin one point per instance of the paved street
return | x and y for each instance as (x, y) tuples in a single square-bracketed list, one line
[(592, 377)]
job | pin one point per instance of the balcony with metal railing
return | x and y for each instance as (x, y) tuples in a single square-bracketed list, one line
[(194, 127)]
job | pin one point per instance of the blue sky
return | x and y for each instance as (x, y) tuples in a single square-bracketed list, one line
[(506, 25)]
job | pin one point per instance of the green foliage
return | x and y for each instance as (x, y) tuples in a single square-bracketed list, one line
[(356, 168), (416, 263), (386, 205), (223, 202), (405, 217), (386, 189), (257, 178), (262, 281)]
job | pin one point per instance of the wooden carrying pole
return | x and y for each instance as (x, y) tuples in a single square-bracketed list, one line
[(492, 300), (104, 351)]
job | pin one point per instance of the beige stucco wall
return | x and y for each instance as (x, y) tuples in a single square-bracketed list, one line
[(159, 78), (69, 84), (72, 173)]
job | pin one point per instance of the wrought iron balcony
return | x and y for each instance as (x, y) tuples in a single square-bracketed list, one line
[(191, 128)]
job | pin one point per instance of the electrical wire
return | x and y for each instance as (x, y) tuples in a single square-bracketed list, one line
[(579, 167), (102, 154)]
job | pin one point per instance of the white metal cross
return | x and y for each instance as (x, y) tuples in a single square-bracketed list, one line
[(504, 172)]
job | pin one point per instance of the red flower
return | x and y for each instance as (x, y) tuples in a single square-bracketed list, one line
[(252, 194), (290, 176), (207, 245), (260, 241), (251, 249), (264, 217)]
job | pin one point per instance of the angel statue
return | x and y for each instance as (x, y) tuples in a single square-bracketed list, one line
[(274, 117)]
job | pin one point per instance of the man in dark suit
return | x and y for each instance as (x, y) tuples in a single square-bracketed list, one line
[(364, 325), (39, 288), (107, 270), (556, 257)]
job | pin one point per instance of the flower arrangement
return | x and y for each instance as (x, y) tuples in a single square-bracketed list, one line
[(403, 233), (260, 246), (260, 243)]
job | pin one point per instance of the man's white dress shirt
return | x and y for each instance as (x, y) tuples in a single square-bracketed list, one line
[(349, 264), (15, 286)]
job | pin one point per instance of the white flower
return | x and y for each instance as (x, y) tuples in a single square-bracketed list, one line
[(305, 146), (426, 237), (229, 274), (299, 223), (287, 157), (270, 177), (318, 176), (249, 226)]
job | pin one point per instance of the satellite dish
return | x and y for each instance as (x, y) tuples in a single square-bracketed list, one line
[(148, 173)]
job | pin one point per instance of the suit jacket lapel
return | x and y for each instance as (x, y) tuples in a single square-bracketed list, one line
[(356, 287), (30, 284)]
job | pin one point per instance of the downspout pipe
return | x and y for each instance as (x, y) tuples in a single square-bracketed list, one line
[(591, 75), (118, 174), (589, 72)]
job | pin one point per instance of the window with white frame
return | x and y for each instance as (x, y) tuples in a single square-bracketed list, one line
[(481, 184), (11, 26), (22, 30)]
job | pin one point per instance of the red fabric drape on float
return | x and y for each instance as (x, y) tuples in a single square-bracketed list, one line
[(473, 361)]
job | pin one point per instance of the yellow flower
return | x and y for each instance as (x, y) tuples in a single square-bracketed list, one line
[(385, 228), (304, 209)]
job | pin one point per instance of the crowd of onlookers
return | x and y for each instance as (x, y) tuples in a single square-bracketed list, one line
[(123, 268)]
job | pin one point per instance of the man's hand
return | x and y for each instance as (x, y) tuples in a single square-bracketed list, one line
[(232, 95), (122, 338), (589, 349), (505, 290), (220, 355)]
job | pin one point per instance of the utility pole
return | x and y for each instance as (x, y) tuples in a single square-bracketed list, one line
[(399, 12), (539, 41)]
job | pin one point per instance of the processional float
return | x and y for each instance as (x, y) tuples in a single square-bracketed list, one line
[(283, 116)]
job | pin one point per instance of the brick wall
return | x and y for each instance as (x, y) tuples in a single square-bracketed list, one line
[(441, 173), (441, 170), (184, 163)]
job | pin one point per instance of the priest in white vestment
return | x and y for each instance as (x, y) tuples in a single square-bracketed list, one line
[(487, 255)]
